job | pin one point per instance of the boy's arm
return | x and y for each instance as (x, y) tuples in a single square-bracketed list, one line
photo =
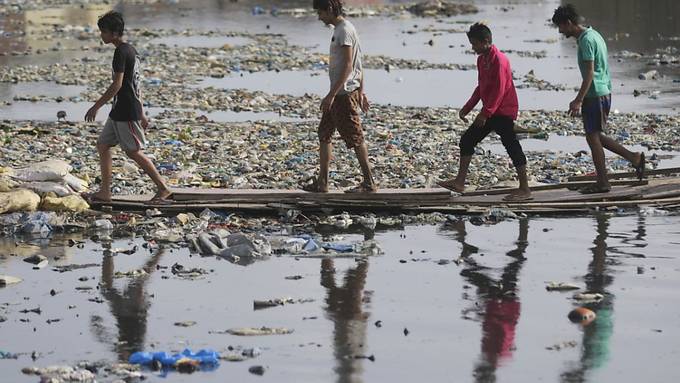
[(472, 102), (363, 100), (111, 91), (575, 105), (143, 119), (346, 59)]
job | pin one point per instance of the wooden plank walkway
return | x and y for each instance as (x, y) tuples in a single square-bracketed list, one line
[(554, 198)]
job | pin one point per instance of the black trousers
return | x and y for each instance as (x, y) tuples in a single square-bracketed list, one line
[(503, 126)]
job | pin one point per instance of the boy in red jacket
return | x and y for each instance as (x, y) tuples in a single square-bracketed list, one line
[(499, 111)]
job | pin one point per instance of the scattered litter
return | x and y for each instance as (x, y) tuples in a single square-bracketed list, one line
[(588, 297), (186, 361), (561, 286), (253, 331), (6, 280)]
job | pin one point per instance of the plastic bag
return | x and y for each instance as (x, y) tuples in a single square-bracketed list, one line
[(59, 189), (73, 203), (18, 200), (51, 170)]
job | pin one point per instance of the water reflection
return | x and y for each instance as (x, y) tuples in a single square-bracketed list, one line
[(129, 307), (497, 301), (345, 308), (597, 335)]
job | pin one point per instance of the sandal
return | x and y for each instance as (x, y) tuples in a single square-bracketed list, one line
[(363, 188), (594, 189), (314, 186), (640, 167)]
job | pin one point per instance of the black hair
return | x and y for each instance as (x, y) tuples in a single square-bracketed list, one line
[(566, 13), (112, 21), (334, 7), (480, 31)]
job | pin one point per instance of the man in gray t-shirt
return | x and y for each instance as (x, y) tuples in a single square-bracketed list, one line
[(340, 107)]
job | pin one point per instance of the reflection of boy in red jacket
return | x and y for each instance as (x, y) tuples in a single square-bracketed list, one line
[(499, 111)]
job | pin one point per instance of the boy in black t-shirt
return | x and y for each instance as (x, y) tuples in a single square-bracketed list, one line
[(126, 122)]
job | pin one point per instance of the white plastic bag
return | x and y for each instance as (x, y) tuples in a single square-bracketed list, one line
[(51, 170)]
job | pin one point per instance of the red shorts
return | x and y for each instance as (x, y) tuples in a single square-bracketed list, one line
[(343, 117)]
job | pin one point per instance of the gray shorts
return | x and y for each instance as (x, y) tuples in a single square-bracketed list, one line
[(129, 134)]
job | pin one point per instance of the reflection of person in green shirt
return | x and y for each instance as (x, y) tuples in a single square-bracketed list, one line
[(593, 100), (597, 335)]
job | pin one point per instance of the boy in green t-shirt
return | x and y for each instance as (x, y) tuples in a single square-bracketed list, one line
[(594, 97)]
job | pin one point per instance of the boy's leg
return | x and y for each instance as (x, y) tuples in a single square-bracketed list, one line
[(105, 164), (467, 144), (595, 111), (345, 114), (458, 183), (597, 152), (325, 132), (132, 141), (145, 163), (614, 146), (325, 152), (504, 127), (107, 139), (362, 155)]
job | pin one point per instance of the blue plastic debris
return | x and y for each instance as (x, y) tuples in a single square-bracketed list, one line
[(311, 245), (339, 247), (174, 142), (8, 355), (36, 224), (204, 357)]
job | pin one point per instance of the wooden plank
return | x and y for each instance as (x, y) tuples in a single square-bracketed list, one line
[(612, 176), (617, 192), (578, 205), (657, 189), (277, 195), (564, 185)]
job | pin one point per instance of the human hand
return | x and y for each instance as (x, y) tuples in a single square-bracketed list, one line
[(326, 103), (479, 121), (91, 114), (144, 122), (575, 107), (462, 115), (363, 102)]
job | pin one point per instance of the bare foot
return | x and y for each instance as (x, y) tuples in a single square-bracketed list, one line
[(453, 185), (162, 197), (315, 186), (100, 196)]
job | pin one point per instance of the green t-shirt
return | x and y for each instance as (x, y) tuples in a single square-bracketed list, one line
[(591, 47)]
